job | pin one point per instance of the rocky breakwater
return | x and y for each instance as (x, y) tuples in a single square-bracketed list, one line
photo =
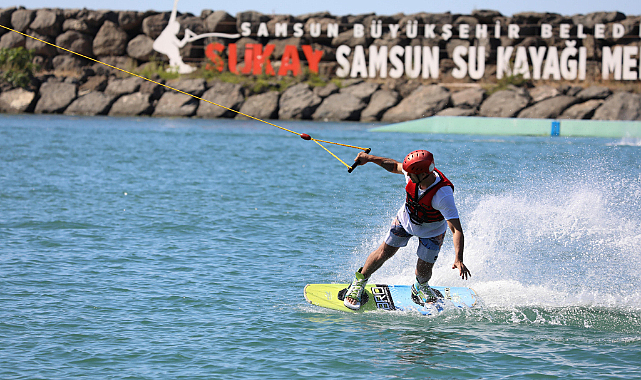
[(76, 86), (356, 101)]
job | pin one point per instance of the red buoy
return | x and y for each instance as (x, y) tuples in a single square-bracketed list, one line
[(305, 136)]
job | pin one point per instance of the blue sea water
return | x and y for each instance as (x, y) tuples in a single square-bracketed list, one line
[(145, 248)]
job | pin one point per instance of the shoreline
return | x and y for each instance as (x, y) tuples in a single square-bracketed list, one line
[(437, 125)]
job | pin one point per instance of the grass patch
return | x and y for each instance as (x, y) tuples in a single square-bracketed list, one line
[(154, 70), (507, 81), (17, 66)]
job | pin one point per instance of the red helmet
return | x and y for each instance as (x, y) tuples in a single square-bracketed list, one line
[(419, 161)]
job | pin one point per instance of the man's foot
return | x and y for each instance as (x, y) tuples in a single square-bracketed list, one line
[(355, 291), (424, 293)]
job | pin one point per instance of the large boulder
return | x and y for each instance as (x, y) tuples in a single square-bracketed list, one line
[(469, 98), (423, 102), (620, 106), (583, 110), (67, 63), (76, 42), (132, 105), (540, 93), (38, 47), (341, 106), (110, 40), (262, 106), (549, 108), (298, 102), (381, 101), (22, 18), (362, 91), (118, 87), (55, 97), (594, 92), (191, 86), (78, 26), (140, 47), (91, 104), (173, 103), (224, 94), (47, 22), (17, 100), (504, 103), (12, 40), (327, 90), (5, 18)]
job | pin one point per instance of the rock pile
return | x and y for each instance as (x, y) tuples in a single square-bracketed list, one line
[(357, 101), (125, 39)]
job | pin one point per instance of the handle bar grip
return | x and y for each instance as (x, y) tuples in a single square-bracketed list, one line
[(351, 168), (356, 163)]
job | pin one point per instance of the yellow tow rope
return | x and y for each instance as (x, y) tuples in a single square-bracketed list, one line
[(304, 136)]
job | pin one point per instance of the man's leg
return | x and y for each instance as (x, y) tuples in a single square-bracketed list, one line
[(423, 271), (375, 260), (397, 237), (421, 289), (428, 250)]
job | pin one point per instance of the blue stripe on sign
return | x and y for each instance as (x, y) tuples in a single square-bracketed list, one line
[(556, 128)]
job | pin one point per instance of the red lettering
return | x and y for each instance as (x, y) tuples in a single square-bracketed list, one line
[(290, 61), (249, 58), (210, 52), (232, 57), (261, 59), (257, 60), (313, 57)]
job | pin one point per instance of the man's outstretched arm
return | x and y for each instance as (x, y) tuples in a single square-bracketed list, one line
[(388, 164)]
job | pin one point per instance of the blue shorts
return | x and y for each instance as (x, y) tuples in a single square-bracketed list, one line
[(428, 248)]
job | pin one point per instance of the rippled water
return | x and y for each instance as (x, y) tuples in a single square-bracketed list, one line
[(139, 248)]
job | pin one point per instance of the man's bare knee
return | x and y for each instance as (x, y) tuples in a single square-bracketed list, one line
[(388, 251)]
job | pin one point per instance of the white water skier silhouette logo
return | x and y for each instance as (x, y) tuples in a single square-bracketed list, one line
[(168, 43)]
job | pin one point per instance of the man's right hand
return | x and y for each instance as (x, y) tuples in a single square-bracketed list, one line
[(362, 158)]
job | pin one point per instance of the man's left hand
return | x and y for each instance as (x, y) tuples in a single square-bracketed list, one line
[(462, 270)]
